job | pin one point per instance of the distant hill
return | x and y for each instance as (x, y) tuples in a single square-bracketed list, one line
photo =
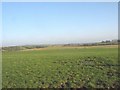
[(106, 42), (17, 48)]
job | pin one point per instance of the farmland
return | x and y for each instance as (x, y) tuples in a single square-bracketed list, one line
[(61, 67)]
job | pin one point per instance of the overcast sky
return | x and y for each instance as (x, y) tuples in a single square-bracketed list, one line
[(57, 23)]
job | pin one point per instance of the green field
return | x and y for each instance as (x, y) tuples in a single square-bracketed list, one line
[(61, 67)]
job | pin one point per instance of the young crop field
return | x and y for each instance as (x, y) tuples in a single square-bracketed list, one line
[(61, 67)]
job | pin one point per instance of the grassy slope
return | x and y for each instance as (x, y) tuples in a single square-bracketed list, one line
[(61, 67)]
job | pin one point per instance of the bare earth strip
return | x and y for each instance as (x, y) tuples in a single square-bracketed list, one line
[(60, 47)]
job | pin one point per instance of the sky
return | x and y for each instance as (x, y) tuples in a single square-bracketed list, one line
[(26, 23)]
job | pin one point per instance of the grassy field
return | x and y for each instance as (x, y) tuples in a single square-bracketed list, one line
[(61, 67)]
